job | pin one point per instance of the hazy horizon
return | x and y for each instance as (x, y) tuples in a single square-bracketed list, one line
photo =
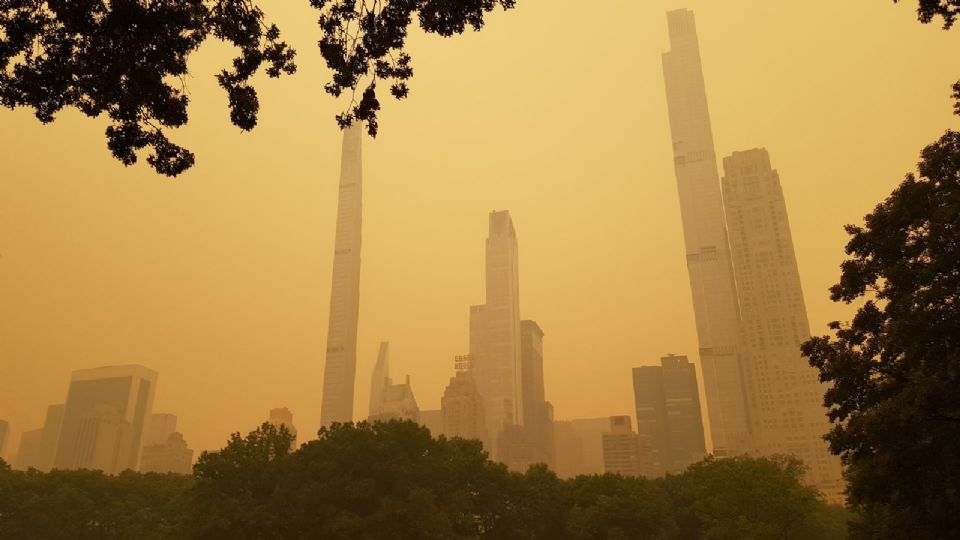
[(220, 280)]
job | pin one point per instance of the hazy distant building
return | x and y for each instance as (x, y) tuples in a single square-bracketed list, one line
[(340, 369), (104, 418), (4, 433), (537, 412), (578, 446), (172, 456), (399, 403), (495, 330), (51, 437), (283, 417), (158, 428), (461, 408), (622, 451), (28, 454), (669, 422), (379, 379), (705, 235), (433, 420), (786, 404)]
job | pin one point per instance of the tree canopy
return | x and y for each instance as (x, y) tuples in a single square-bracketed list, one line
[(394, 481), (895, 368), (128, 59)]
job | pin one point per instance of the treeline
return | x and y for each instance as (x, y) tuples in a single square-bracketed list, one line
[(394, 481)]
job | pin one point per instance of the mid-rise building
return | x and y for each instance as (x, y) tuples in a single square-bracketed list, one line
[(786, 405), (399, 403), (461, 406), (104, 418), (282, 416), (51, 437), (432, 419), (340, 368), (495, 330), (28, 454), (622, 451), (578, 446), (158, 429), (709, 262), (173, 456), (668, 414)]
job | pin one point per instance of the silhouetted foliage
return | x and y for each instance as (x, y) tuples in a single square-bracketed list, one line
[(128, 59), (895, 369), (928, 10), (394, 481)]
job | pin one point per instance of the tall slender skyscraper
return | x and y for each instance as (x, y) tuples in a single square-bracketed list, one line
[(786, 404), (340, 370), (705, 235), (495, 330)]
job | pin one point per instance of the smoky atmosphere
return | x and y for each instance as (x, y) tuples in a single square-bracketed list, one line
[(479, 269)]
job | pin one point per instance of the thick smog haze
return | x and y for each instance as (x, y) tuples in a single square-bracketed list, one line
[(219, 280)]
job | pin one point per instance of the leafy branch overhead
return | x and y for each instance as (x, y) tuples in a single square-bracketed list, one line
[(128, 59), (363, 42)]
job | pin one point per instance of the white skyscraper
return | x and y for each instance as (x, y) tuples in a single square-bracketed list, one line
[(787, 402), (495, 330), (339, 373), (705, 235)]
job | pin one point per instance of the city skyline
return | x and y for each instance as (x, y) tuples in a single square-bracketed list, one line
[(224, 278)]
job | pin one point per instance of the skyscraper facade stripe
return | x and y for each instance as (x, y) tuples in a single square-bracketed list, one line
[(705, 236), (340, 369)]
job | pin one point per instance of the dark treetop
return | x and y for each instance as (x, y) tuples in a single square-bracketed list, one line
[(128, 59)]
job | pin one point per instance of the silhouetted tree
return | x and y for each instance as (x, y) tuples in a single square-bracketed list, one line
[(895, 368), (128, 59), (751, 498)]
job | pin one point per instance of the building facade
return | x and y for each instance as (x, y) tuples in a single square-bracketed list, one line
[(709, 262), (622, 451), (461, 408), (379, 380), (669, 421), (104, 418), (495, 331), (340, 368), (786, 405), (172, 456)]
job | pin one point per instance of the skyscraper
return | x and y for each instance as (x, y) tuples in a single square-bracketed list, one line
[(537, 412), (705, 235), (786, 406), (495, 330), (380, 379), (340, 369), (668, 414), (104, 418)]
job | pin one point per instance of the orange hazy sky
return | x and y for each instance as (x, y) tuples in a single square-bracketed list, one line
[(220, 279)]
